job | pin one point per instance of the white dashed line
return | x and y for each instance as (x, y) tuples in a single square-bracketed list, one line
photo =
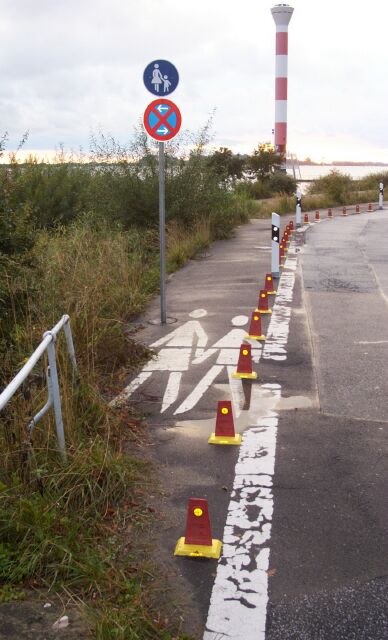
[(238, 604)]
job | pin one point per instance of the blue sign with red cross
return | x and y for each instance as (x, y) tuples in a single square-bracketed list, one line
[(162, 119)]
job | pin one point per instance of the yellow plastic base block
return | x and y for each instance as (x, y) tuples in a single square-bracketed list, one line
[(271, 293), (260, 311), (198, 551), (236, 439), (255, 338), (248, 376)]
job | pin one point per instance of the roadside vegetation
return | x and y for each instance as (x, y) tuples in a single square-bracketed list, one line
[(80, 237), (332, 190)]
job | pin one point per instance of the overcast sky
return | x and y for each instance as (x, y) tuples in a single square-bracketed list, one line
[(72, 66)]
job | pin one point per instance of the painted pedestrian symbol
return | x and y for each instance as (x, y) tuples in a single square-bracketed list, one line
[(186, 348), (162, 119), (161, 77)]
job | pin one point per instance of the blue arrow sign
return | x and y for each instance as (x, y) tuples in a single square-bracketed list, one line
[(161, 77)]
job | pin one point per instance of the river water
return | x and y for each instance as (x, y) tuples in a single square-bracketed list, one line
[(311, 172)]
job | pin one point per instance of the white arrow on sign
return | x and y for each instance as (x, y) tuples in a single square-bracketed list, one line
[(162, 131), (162, 108)]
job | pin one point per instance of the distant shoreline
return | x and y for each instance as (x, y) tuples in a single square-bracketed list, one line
[(337, 163)]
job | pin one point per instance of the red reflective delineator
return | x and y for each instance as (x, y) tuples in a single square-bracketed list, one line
[(370, 207), (198, 529), (329, 213), (317, 217), (262, 305), (198, 541), (306, 218), (244, 365), (357, 208), (291, 223), (269, 284), (224, 432), (224, 420), (344, 211), (254, 331), (281, 254)]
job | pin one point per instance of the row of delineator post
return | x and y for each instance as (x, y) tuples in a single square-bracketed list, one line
[(344, 212), (198, 540), (298, 210)]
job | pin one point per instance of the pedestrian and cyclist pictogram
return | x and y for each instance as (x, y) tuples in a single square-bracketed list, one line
[(161, 77), (162, 119)]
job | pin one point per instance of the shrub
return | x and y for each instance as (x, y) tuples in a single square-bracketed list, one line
[(336, 186), (372, 180), (281, 182)]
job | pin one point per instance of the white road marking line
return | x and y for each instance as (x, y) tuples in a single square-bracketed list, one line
[(176, 359), (278, 330), (236, 391), (373, 342), (199, 390), (131, 388), (201, 355), (172, 390), (238, 604), (184, 336)]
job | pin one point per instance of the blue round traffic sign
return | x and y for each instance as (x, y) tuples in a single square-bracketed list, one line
[(162, 119), (161, 77)]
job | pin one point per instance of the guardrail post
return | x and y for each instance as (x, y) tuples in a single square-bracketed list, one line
[(70, 344), (56, 395)]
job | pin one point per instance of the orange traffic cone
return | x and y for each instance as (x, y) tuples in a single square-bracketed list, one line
[(329, 213), (244, 365), (262, 305), (198, 541), (306, 218), (269, 284), (344, 212), (317, 218), (370, 208), (357, 208), (254, 331), (224, 433)]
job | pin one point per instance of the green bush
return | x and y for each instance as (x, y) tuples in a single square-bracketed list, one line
[(281, 182), (371, 181), (336, 186)]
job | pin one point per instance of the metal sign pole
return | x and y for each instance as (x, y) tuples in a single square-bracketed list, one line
[(162, 236), (381, 195), (275, 245)]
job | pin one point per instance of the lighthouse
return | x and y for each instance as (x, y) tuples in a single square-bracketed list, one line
[(282, 14)]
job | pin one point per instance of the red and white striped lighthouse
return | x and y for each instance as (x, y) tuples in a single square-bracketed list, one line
[(282, 14)]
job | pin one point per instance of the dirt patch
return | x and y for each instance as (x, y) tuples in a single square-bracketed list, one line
[(31, 620)]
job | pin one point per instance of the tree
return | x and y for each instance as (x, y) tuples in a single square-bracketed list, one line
[(264, 162), (227, 165)]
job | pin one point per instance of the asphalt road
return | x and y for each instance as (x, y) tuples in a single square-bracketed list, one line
[(329, 538), (327, 573)]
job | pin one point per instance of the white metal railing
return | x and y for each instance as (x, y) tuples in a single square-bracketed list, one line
[(54, 397)]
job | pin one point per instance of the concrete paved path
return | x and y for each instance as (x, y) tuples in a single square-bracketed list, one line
[(301, 505)]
